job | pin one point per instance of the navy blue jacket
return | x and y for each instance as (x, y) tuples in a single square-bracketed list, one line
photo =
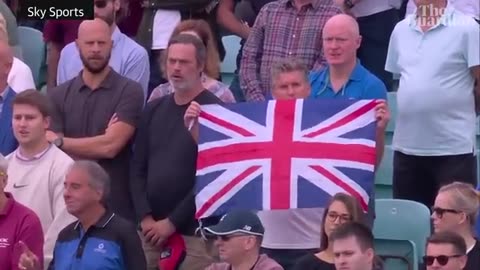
[(112, 243), (8, 143)]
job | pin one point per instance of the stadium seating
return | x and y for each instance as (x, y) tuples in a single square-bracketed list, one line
[(384, 175), (229, 64), (400, 229), (34, 51)]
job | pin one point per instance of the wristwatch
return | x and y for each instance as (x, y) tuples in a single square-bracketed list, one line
[(58, 142), (349, 4)]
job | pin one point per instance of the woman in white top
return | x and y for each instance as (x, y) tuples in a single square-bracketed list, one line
[(456, 209)]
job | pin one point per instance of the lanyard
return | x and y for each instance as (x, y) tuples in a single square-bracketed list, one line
[(326, 82)]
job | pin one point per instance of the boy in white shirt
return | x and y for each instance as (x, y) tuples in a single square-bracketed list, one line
[(37, 168)]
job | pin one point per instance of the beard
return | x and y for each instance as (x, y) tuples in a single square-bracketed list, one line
[(95, 69)]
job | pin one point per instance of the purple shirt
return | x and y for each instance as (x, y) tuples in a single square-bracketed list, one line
[(18, 223)]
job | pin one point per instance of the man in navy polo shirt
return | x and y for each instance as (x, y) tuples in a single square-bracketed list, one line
[(99, 239), (345, 77)]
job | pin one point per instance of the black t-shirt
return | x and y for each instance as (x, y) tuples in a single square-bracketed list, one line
[(473, 262), (311, 262), (164, 163)]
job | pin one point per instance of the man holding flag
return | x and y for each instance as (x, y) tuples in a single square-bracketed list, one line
[(292, 233)]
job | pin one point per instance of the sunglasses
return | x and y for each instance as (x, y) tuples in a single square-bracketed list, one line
[(442, 259), (441, 211), (100, 3)]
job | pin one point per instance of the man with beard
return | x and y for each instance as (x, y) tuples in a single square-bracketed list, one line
[(164, 163), (128, 58), (95, 113)]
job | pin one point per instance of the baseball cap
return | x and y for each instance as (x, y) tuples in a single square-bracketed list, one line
[(173, 253), (238, 221)]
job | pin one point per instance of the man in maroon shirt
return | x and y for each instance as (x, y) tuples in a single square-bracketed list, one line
[(57, 34), (17, 224)]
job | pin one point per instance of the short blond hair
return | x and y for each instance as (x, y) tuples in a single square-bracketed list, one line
[(464, 198)]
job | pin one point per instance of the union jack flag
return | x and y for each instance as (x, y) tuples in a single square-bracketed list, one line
[(284, 154)]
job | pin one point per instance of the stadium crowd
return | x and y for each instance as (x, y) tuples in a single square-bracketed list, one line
[(98, 166)]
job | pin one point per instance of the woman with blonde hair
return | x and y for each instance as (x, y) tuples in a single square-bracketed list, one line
[(201, 30), (456, 209)]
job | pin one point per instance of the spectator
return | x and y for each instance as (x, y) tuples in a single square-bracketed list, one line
[(456, 209), (7, 140), (345, 77), (20, 77), (127, 57), (164, 150), (445, 251), (37, 168), (290, 234), (284, 28), (86, 189), (352, 246), (17, 224), (438, 59), (160, 19), (376, 20), (341, 209), (9, 20), (201, 30), (238, 16), (468, 7), (57, 34), (155, 30), (95, 113), (238, 238), (130, 17)]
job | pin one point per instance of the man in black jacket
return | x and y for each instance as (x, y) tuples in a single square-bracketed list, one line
[(165, 156)]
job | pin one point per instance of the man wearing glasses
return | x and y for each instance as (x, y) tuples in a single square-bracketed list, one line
[(239, 237), (445, 251)]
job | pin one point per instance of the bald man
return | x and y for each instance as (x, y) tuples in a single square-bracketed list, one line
[(129, 59), (95, 113), (345, 77), (7, 140)]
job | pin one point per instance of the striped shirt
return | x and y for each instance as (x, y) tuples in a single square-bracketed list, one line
[(280, 31)]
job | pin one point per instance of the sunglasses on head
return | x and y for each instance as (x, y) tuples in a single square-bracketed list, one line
[(100, 3), (442, 259), (441, 211)]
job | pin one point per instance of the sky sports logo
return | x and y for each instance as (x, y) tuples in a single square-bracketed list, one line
[(56, 9)]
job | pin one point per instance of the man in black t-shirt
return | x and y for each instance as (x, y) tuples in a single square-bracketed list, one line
[(164, 162)]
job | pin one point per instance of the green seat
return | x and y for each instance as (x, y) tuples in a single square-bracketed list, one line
[(392, 104), (397, 254), (33, 50), (403, 220), (384, 175)]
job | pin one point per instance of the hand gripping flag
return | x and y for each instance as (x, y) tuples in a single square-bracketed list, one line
[(284, 154)]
